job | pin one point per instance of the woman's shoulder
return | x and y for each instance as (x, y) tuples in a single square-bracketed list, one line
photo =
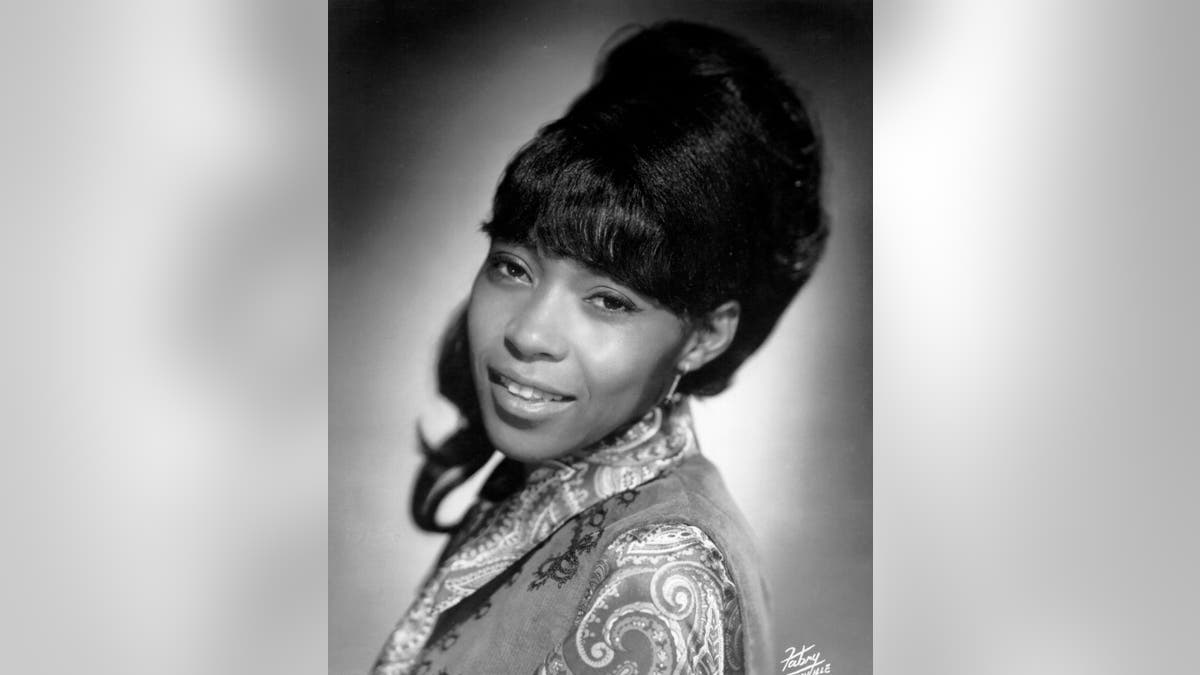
[(685, 513), (668, 582), (692, 493), (672, 560), (684, 530)]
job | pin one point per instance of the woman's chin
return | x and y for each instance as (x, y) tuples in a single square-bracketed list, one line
[(528, 445), (528, 454)]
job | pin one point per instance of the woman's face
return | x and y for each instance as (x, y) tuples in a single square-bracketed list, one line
[(562, 355)]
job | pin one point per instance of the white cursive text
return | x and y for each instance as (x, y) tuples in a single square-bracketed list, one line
[(805, 662)]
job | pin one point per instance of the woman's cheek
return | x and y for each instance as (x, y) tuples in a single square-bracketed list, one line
[(617, 362), (485, 316)]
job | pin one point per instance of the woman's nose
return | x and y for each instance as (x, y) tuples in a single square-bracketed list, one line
[(535, 333)]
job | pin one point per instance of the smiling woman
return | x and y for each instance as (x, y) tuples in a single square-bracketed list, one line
[(642, 247), (564, 355)]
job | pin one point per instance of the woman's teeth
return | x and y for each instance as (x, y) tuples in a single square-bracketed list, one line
[(527, 393)]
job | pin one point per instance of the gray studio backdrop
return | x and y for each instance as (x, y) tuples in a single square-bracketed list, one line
[(428, 101)]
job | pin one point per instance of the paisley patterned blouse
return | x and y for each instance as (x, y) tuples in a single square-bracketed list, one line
[(626, 558)]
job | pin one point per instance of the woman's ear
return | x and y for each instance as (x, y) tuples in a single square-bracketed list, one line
[(711, 337)]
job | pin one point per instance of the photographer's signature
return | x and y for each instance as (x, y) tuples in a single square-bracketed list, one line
[(804, 661)]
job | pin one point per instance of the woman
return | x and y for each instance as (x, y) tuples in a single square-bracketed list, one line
[(642, 247)]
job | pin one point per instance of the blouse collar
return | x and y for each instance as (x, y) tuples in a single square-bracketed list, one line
[(498, 535), (631, 448)]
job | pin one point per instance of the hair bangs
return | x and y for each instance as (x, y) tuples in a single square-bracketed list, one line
[(560, 199)]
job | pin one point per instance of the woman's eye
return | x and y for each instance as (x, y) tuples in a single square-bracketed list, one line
[(611, 303), (507, 268)]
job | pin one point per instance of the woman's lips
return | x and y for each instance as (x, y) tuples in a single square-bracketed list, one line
[(525, 390), (524, 400)]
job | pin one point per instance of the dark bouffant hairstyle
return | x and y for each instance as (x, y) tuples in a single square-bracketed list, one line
[(688, 171)]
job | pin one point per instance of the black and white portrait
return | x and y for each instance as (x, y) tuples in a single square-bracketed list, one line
[(600, 320)]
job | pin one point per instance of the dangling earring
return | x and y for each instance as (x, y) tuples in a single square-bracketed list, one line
[(675, 384)]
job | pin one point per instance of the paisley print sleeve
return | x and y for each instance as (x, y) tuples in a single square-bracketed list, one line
[(660, 600)]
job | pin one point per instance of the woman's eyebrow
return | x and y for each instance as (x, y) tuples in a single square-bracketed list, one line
[(515, 247)]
